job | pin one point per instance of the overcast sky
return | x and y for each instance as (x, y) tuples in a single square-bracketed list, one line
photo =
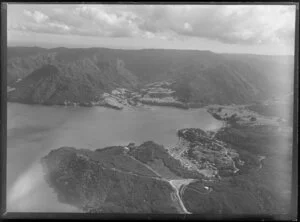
[(257, 29)]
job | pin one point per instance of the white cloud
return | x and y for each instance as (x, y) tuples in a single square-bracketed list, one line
[(240, 24), (59, 26), (188, 27), (39, 17), (229, 24), (112, 23)]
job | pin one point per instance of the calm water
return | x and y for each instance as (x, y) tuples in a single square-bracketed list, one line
[(34, 130)]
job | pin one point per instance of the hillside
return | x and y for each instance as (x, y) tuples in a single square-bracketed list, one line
[(199, 77), (95, 182), (264, 139), (203, 174), (59, 82)]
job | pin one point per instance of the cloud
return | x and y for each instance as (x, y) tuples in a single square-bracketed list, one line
[(187, 26), (39, 17), (234, 24), (112, 23), (50, 28), (228, 24)]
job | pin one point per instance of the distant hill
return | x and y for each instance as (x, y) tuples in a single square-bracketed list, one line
[(54, 82), (13, 52), (200, 76)]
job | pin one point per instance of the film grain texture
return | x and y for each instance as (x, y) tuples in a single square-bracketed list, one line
[(150, 109)]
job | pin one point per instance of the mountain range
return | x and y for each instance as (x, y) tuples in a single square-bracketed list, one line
[(81, 75)]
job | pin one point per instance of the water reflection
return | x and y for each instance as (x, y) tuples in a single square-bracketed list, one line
[(30, 193)]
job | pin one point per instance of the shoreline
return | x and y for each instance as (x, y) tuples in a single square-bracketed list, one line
[(142, 104), (110, 106)]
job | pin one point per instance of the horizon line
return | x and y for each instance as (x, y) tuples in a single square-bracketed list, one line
[(139, 49)]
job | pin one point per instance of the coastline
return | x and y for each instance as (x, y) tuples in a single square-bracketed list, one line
[(95, 104), (216, 131)]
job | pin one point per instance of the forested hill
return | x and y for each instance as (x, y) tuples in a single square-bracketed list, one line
[(198, 76)]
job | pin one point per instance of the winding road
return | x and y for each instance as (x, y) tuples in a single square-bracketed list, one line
[(179, 185)]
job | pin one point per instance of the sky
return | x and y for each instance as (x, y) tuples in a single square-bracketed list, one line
[(255, 29)]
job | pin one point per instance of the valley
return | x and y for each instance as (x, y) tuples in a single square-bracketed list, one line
[(183, 163), (118, 78), (128, 110)]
